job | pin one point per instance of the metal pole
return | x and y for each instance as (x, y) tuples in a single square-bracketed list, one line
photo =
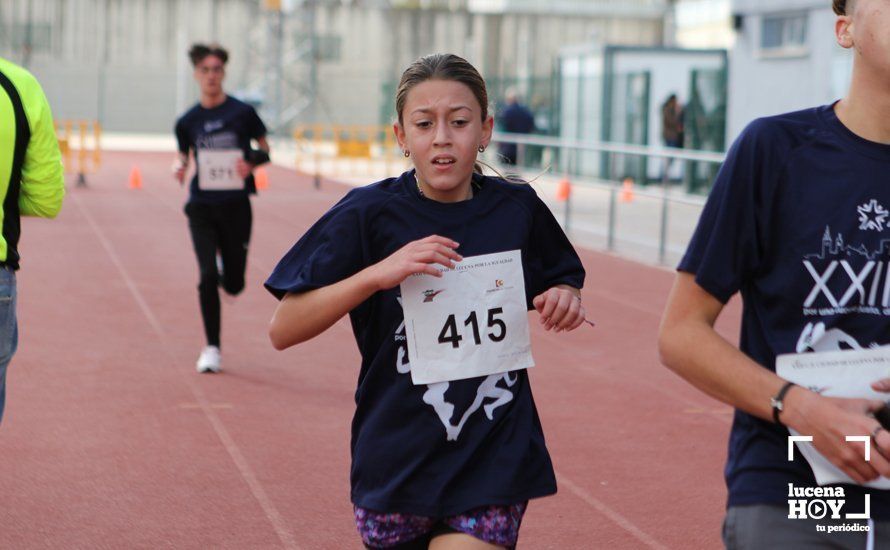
[(662, 237), (29, 39), (102, 69), (568, 212), (279, 69), (610, 235), (313, 60), (568, 206)]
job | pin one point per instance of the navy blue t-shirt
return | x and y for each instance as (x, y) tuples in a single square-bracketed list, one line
[(798, 222), (230, 125), (438, 449)]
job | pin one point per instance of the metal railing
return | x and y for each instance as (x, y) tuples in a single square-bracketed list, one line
[(647, 222), (346, 150), (595, 205)]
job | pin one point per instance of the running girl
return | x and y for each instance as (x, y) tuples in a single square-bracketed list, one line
[(449, 463), (218, 133)]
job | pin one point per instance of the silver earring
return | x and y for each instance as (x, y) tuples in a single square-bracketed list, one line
[(407, 153), (481, 148)]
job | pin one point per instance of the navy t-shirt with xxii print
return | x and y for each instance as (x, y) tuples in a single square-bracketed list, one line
[(798, 222)]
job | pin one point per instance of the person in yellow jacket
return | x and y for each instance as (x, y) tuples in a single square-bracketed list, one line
[(31, 184)]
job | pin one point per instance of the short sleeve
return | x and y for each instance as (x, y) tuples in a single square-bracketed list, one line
[(726, 249), (255, 127), (332, 250), (182, 138), (552, 258)]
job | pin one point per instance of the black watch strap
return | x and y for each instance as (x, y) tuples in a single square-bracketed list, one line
[(778, 403)]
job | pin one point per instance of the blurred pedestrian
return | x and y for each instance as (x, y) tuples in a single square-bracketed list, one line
[(514, 118), (672, 122)]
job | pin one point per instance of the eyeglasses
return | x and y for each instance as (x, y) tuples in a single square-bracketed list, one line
[(219, 69)]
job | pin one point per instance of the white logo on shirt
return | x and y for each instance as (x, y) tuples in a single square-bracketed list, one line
[(434, 396), (815, 338), (847, 278), (213, 125), (872, 215)]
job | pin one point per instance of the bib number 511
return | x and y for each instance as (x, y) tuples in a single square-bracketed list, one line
[(498, 329)]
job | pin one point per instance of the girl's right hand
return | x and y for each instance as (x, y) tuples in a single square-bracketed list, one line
[(416, 257)]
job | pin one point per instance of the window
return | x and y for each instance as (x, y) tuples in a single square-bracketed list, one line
[(784, 34), (328, 47)]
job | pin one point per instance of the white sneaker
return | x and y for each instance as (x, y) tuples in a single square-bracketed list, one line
[(209, 360)]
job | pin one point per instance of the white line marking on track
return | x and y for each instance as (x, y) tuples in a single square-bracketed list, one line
[(247, 474), (604, 509)]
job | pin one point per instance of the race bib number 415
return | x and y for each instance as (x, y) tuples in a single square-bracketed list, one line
[(471, 322)]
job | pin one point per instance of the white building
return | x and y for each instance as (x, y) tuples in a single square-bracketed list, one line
[(703, 24), (785, 58), (123, 61)]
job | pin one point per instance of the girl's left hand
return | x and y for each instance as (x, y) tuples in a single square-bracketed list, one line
[(243, 168), (560, 309)]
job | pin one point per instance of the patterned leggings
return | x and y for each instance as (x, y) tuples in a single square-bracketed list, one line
[(493, 524)]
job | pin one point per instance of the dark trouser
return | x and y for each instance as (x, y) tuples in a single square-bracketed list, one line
[(767, 527), (223, 228)]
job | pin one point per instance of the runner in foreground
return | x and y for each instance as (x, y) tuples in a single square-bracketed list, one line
[(451, 460)]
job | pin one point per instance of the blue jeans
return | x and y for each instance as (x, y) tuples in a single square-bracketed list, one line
[(9, 330)]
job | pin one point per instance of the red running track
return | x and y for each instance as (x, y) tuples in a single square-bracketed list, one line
[(111, 440)]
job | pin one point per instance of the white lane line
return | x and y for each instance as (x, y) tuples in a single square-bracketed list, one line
[(247, 474), (604, 509)]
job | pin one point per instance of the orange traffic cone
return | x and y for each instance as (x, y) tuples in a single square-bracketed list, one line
[(261, 178), (135, 178), (564, 190), (627, 190)]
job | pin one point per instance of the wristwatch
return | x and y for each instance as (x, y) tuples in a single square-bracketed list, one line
[(778, 403)]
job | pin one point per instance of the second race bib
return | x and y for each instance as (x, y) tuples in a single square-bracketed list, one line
[(847, 373), (216, 170), (471, 322)]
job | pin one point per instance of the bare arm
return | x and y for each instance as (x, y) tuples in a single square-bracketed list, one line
[(302, 316), (180, 165), (689, 345)]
